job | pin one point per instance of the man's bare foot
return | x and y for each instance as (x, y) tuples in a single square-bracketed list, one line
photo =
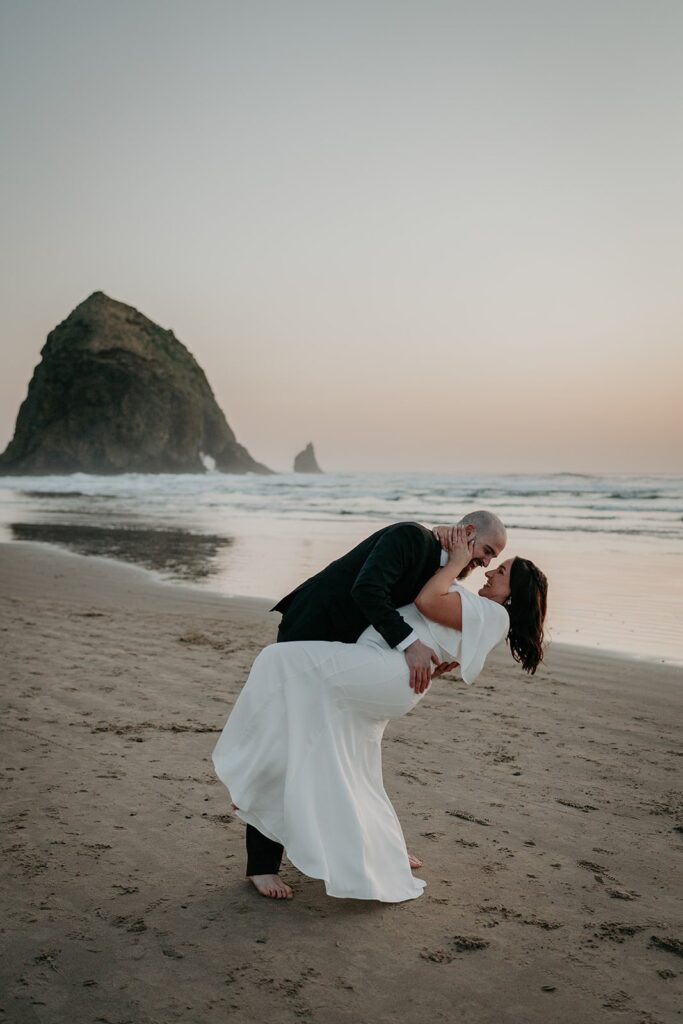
[(415, 862), (271, 885)]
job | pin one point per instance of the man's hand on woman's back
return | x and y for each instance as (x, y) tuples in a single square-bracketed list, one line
[(420, 659)]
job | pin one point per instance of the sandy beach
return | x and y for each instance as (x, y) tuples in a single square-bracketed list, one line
[(548, 813)]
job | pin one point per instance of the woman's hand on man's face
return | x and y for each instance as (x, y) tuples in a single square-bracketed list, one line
[(444, 535), (449, 536), (459, 546)]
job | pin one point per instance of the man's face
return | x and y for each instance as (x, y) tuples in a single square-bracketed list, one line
[(486, 547)]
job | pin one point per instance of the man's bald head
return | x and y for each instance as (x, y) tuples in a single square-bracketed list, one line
[(486, 523), (490, 537)]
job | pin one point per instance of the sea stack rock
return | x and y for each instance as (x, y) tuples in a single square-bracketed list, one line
[(116, 393), (306, 462)]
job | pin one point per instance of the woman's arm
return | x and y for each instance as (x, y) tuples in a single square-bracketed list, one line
[(434, 601)]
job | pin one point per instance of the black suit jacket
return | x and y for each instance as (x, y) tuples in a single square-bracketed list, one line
[(362, 588)]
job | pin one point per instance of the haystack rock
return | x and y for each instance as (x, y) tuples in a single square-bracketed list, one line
[(306, 462), (116, 393)]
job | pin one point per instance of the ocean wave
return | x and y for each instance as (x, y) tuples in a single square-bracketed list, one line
[(556, 502)]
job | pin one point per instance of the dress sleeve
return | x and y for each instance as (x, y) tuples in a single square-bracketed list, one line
[(484, 624)]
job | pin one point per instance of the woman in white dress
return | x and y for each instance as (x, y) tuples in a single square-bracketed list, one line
[(301, 751)]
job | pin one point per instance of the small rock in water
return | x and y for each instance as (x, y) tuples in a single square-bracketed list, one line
[(306, 462)]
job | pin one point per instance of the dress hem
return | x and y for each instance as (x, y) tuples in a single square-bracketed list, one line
[(252, 819)]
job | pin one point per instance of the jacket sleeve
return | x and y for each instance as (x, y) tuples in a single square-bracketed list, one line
[(392, 556)]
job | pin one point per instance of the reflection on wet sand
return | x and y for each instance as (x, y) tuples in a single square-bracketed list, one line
[(180, 554)]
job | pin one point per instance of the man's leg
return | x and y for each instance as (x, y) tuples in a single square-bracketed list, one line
[(263, 855), (263, 864)]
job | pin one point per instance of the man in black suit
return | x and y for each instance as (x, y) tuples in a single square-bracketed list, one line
[(365, 587)]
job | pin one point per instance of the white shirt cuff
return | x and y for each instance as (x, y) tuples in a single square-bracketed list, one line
[(410, 639)]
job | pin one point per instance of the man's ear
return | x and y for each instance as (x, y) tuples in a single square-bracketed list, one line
[(470, 528)]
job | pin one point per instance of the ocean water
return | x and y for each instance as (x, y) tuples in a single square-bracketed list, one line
[(612, 546)]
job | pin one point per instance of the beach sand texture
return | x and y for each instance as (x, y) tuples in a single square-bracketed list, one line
[(547, 812)]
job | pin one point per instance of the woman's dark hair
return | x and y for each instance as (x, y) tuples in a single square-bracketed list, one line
[(526, 606)]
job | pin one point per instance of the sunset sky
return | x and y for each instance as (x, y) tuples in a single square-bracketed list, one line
[(425, 235)]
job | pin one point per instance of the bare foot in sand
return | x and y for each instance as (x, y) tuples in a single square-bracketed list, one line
[(414, 861), (271, 885)]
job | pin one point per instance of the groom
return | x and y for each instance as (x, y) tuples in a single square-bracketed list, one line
[(365, 587)]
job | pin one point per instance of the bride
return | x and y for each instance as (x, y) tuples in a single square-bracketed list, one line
[(301, 751)]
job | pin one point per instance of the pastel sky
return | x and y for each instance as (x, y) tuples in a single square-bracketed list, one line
[(423, 234)]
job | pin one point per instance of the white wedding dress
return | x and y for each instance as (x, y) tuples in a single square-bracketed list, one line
[(301, 751)]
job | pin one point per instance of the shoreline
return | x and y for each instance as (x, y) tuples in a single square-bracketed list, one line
[(611, 547), (204, 589), (122, 575), (544, 808)]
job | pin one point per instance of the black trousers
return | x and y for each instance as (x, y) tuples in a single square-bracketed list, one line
[(263, 855)]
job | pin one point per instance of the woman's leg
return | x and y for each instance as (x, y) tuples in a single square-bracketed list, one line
[(322, 686)]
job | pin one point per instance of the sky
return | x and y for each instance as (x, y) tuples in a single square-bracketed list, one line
[(424, 235)]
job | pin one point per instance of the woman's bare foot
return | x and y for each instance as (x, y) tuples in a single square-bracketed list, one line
[(271, 885), (414, 862)]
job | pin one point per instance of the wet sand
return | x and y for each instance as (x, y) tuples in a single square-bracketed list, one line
[(547, 812)]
